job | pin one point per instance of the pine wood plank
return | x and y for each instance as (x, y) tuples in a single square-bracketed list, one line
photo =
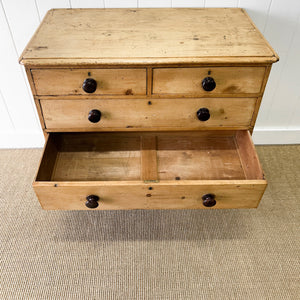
[(259, 99), (96, 165), (36, 101), (183, 158), (147, 36), (167, 195), (148, 158), (146, 114), (248, 156), (229, 80), (48, 159), (109, 81), (105, 157)]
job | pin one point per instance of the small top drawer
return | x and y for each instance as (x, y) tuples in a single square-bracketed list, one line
[(89, 81), (208, 81)]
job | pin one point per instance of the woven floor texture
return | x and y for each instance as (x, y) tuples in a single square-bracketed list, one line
[(186, 254)]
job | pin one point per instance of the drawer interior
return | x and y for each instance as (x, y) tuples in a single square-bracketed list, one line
[(149, 156)]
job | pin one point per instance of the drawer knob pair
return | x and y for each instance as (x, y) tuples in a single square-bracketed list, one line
[(95, 115), (208, 84), (89, 85), (208, 200), (92, 201)]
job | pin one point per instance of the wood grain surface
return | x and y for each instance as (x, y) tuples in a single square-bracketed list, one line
[(140, 114), (229, 80), (109, 81), (146, 36)]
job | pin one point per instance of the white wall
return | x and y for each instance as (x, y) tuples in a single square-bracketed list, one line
[(279, 20)]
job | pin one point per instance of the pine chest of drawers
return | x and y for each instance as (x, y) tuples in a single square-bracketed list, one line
[(148, 108)]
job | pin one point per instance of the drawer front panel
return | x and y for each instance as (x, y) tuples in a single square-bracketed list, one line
[(162, 196), (142, 114), (108, 81), (189, 81)]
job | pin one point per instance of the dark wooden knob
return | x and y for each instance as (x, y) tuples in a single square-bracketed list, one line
[(89, 85), (92, 201), (203, 114), (94, 115), (209, 200), (208, 84)]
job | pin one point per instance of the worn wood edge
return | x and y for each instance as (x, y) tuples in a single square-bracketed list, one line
[(219, 183), (36, 101), (30, 80), (255, 114), (202, 95), (21, 58), (40, 113), (41, 159), (248, 155), (150, 128), (148, 60), (275, 55), (149, 80), (48, 159), (138, 66), (266, 77), (259, 99), (262, 193), (144, 97), (148, 148), (164, 133)]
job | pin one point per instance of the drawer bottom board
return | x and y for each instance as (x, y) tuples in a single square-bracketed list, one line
[(178, 158)]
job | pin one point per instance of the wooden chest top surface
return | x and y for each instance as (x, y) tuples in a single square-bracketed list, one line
[(147, 36)]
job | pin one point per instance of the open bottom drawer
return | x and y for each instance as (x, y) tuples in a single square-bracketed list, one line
[(149, 170)]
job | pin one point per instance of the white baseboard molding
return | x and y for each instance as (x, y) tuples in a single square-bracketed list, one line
[(35, 139), (276, 136), (15, 139)]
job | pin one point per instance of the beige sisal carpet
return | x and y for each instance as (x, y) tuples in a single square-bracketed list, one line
[(217, 254)]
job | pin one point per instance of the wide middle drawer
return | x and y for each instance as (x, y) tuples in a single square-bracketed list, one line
[(140, 114)]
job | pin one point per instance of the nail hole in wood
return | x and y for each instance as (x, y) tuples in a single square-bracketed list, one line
[(129, 92)]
